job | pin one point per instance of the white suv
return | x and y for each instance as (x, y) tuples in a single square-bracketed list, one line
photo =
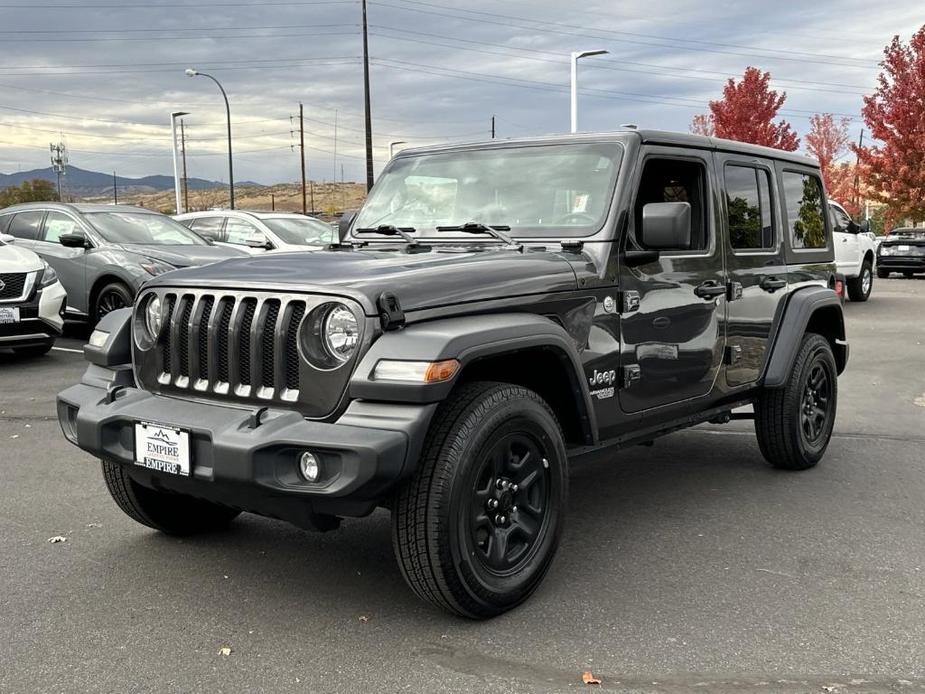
[(855, 252), (257, 232)]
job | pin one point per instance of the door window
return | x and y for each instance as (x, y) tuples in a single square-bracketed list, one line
[(675, 180), (5, 220), (208, 227), (748, 208), (239, 232), (26, 225), (57, 224), (840, 220), (805, 217)]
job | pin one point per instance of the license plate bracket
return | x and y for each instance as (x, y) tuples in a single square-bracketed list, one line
[(163, 448)]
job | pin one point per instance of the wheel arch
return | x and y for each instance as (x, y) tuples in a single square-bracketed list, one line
[(809, 309), (108, 277)]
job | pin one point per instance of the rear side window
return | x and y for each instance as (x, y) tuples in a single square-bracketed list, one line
[(26, 225), (208, 227), (805, 213), (748, 208)]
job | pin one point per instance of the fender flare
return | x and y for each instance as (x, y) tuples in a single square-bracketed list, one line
[(793, 319), (468, 339)]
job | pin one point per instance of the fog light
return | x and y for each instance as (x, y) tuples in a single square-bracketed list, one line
[(310, 467)]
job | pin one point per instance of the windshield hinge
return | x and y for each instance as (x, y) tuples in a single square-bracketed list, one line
[(572, 245), (390, 314)]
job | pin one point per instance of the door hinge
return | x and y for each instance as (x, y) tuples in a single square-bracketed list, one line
[(733, 290), (630, 374), (733, 354), (629, 301)]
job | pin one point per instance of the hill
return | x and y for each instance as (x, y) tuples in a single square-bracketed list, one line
[(83, 183)]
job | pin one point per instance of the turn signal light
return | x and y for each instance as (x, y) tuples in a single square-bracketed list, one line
[(415, 371)]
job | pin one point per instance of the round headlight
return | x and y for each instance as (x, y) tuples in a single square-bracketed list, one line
[(341, 332), (154, 318)]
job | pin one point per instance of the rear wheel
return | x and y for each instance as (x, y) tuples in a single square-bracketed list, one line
[(173, 514), (476, 528), (859, 287), (794, 423), (114, 295)]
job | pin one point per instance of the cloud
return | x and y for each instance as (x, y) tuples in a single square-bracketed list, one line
[(104, 77)]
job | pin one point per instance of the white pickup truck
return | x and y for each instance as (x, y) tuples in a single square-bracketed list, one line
[(855, 252)]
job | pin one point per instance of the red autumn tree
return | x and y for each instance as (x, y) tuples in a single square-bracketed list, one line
[(746, 113), (895, 114), (703, 125), (827, 141)]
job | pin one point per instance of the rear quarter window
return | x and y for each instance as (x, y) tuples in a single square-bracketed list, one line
[(5, 220), (26, 225), (805, 202)]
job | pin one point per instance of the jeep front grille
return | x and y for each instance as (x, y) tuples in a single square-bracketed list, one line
[(244, 346)]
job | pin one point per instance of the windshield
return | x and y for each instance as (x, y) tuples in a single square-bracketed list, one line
[(907, 232), (301, 232), (544, 190), (143, 229)]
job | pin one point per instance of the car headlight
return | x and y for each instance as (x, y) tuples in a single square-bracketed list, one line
[(341, 332), (156, 267), (154, 317), (886, 250), (49, 276)]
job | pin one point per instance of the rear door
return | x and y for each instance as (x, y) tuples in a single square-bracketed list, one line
[(754, 262), (69, 263), (672, 321)]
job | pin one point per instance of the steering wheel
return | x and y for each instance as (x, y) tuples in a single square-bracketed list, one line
[(579, 217)]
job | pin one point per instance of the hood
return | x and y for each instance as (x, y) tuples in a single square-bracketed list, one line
[(439, 277), (186, 255), (14, 259)]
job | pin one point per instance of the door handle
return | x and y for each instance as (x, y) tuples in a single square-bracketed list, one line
[(710, 289), (770, 284)]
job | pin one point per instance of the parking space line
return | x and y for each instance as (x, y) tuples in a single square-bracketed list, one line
[(68, 349)]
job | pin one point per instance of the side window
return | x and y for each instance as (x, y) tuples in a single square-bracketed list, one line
[(239, 232), (840, 221), (675, 180), (5, 220), (805, 216), (26, 225), (208, 227), (57, 224), (748, 208)]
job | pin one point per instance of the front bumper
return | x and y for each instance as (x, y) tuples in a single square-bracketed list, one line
[(41, 318), (901, 263), (248, 458)]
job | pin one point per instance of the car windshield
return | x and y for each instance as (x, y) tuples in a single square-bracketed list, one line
[(537, 190), (301, 232), (142, 228), (908, 233)]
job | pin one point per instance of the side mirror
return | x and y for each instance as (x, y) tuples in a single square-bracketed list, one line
[(343, 225), (6, 238), (77, 240), (666, 226), (259, 243), (865, 226)]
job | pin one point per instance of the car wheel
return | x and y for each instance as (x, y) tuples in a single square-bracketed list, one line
[(114, 295), (173, 514), (859, 287), (794, 423), (33, 350), (475, 529), (883, 274)]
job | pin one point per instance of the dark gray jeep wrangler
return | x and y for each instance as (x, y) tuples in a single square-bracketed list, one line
[(494, 314)]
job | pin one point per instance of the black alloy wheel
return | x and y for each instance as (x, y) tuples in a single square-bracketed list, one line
[(816, 411), (111, 297)]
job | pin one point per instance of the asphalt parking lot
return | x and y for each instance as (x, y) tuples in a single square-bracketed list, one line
[(687, 565)]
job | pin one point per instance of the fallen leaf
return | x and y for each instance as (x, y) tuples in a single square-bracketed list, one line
[(15, 436), (56, 539), (588, 678), (224, 650), (94, 525), (363, 619)]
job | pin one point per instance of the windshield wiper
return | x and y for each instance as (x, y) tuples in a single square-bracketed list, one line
[(391, 230), (496, 230)]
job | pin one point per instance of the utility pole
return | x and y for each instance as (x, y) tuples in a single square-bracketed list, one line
[(115, 190), (185, 181), (302, 152), (272, 202), (59, 162), (366, 104), (335, 145), (177, 192), (492, 127), (857, 172)]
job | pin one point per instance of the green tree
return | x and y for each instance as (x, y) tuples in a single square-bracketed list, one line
[(36, 190)]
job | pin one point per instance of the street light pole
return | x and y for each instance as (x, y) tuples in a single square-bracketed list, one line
[(176, 157), (190, 72), (576, 55), (392, 147)]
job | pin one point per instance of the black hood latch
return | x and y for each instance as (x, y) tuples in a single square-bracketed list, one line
[(390, 314)]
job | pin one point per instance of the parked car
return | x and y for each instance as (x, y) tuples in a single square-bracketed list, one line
[(32, 300), (497, 313), (104, 253), (903, 250), (855, 252), (258, 232)]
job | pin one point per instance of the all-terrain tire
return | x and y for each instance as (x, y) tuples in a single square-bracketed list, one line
[(859, 287), (794, 423), (485, 439), (173, 514)]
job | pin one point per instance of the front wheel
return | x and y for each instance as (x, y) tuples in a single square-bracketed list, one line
[(172, 514), (114, 295), (33, 350), (476, 528), (794, 423), (859, 287)]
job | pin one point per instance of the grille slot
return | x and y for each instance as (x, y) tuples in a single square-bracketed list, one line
[(165, 333), (244, 340), (203, 342), (292, 346), (183, 334), (13, 285), (268, 338), (224, 323)]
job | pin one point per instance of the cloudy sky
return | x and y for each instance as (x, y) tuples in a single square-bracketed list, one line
[(103, 76)]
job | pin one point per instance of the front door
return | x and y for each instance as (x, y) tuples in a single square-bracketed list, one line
[(69, 263), (754, 262), (672, 320)]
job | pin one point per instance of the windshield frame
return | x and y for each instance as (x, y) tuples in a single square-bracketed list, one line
[(89, 217), (536, 233)]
